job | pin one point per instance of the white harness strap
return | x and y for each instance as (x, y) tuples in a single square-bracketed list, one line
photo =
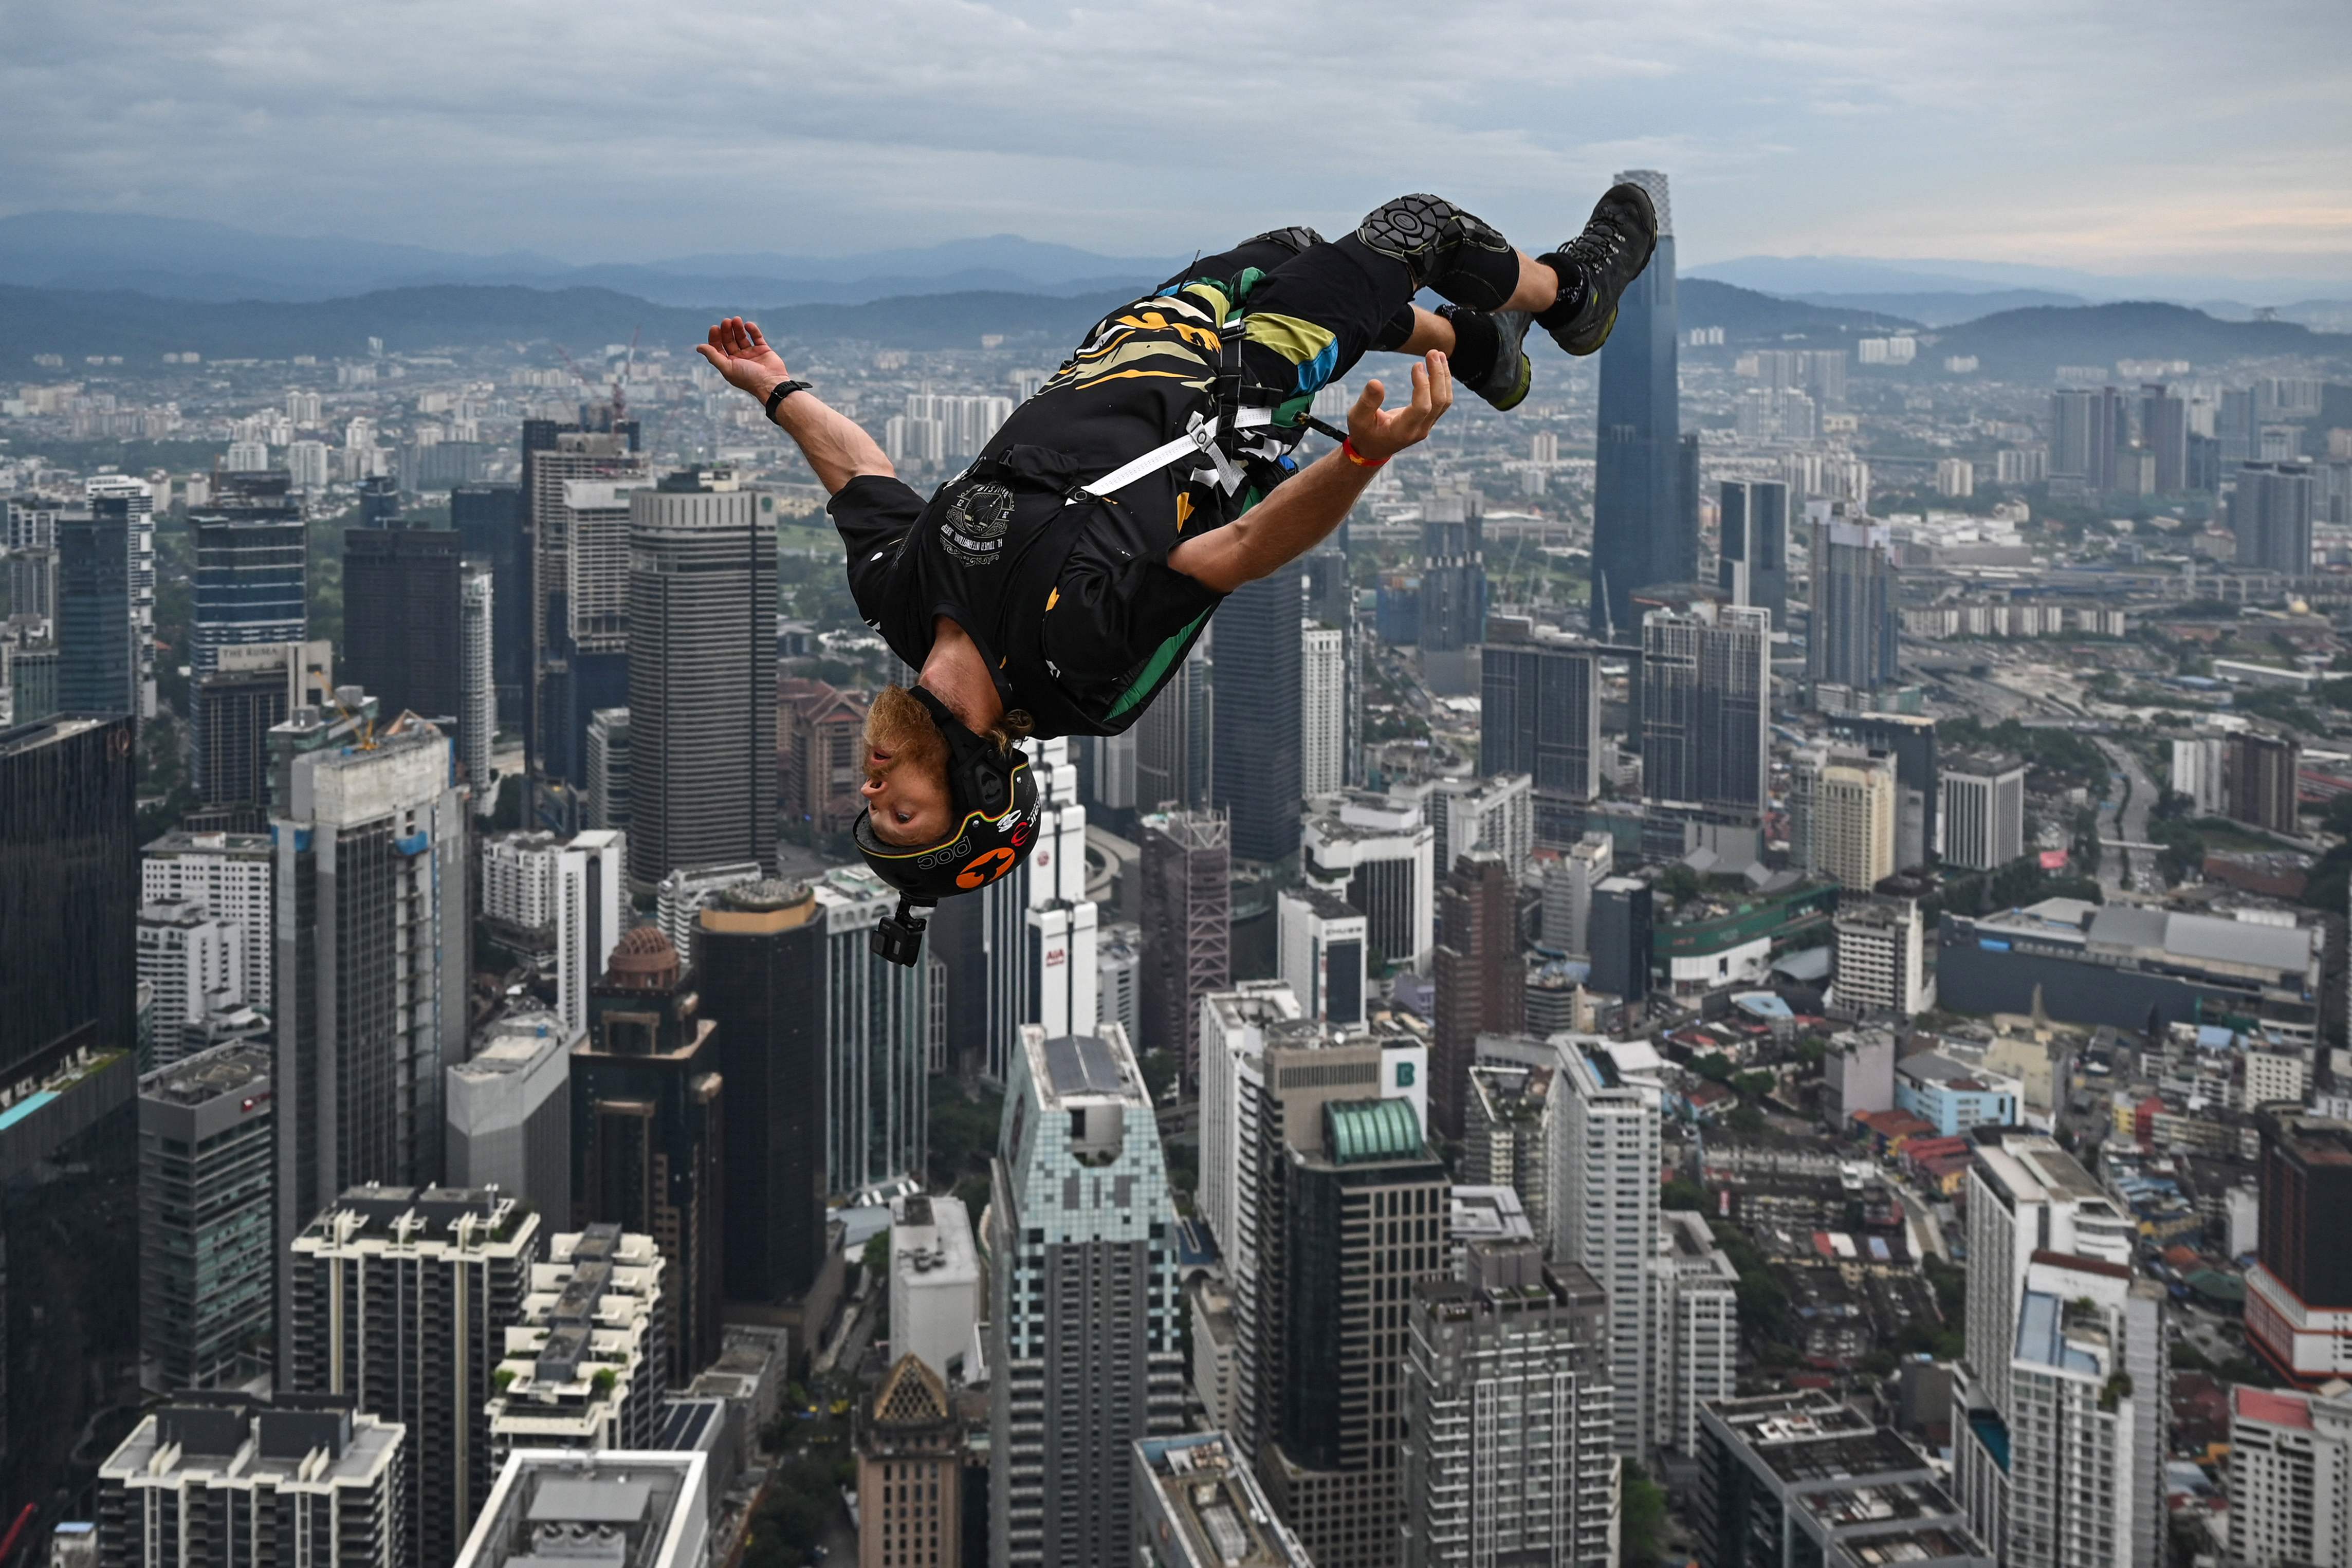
[(1198, 441)]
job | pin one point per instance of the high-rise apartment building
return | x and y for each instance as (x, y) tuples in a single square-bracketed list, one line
[(231, 876), (1365, 1202), (1604, 1209), (1380, 854), (761, 976), (372, 963), (2086, 425), (69, 893), (2261, 778), (2027, 1199), (1187, 936), (1982, 814), (702, 675), (1851, 641), (207, 1246), (2289, 1476), (510, 1112), (1198, 1506), (1495, 813), (1256, 763), (97, 625), (585, 1368), (1477, 975), (909, 1472), (1753, 562), (878, 1024), (2199, 768), (1910, 739), (1319, 940), (678, 901), (1539, 707), (2088, 1437), (253, 688), (1507, 1136), (478, 690), (2299, 1292), (188, 959), (1645, 521), (403, 596), (222, 1481), (2164, 436), (1568, 884), (1322, 709), (1622, 950), (591, 906), (646, 1133), (1881, 961), (1695, 1325), (609, 762), (1509, 1415), (2270, 514), (1083, 1352), (461, 1261), (1706, 707), (1842, 810)]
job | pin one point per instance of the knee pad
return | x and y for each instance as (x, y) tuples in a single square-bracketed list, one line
[(1427, 234), (1294, 239)]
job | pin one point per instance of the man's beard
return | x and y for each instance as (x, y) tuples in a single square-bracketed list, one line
[(902, 728)]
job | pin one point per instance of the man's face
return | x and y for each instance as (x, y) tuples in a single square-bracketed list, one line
[(906, 786)]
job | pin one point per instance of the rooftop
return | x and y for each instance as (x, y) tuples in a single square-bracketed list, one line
[(1085, 1067), (198, 1079), (1361, 1130), (550, 1510), (1212, 1499)]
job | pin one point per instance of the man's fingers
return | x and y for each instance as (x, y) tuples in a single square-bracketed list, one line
[(1441, 384), (711, 354), (1369, 401)]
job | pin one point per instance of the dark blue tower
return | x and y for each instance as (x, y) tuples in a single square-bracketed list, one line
[(1644, 507)]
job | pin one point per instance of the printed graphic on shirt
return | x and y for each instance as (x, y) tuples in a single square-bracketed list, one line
[(973, 528)]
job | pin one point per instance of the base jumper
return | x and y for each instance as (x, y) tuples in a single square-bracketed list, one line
[(1055, 584)]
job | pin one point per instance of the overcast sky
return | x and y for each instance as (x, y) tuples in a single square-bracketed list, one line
[(2149, 136)]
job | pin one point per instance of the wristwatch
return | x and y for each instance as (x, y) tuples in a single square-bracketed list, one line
[(782, 391)]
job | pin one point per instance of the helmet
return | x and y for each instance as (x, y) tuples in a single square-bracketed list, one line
[(993, 802)]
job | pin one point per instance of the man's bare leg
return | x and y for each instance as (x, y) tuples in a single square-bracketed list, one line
[(1539, 288)]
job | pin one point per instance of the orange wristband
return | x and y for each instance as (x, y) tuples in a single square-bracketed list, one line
[(1348, 450)]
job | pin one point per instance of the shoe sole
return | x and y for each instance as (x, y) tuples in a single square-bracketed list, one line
[(1518, 394)]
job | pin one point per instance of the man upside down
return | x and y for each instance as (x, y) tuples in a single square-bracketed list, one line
[(1055, 585)]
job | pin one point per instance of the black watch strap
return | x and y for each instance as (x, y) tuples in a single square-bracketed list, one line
[(783, 389)]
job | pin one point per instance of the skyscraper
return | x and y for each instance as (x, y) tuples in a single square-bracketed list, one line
[(548, 1396), (1621, 937), (1365, 1204), (1175, 749), (2289, 1451), (477, 691), (576, 488), (2299, 1292), (97, 629), (1508, 1415), (2270, 513), (2260, 780), (252, 577), (137, 503), (608, 768), (1982, 815), (1568, 886), (1754, 556), (1321, 944), (433, 1370), (590, 907), (206, 1248), (1187, 936), (878, 1028), (1452, 572), (2088, 1452), (1694, 1328), (1604, 1212), (1322, 701), (761, 976), (1083, 1353), (648, 1132), (1539, 714), (403, 600), (1199, 1506), (2164, 433), (2086, 425), (910, 1470), (1706, 707), (1910, 739), (1851, 639), (1842, 805), (188, 959), (232, 876), (372, 963), (489, 521), (510, 1112), (1644, 522), (1478, 977), (1256, 763), (69, 893), (253, 688), (702, 675), (1495, 813)]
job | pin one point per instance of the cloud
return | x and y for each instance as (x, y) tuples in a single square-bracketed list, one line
[(2068, 131)]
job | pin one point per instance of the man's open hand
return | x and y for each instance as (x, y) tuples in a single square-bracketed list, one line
[(737, 351), (1380, 434)]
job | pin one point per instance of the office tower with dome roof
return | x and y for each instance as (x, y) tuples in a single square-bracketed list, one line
[(648, 1130)]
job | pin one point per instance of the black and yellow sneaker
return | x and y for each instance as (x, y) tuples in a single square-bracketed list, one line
[(1598, 265), (1489, 354)]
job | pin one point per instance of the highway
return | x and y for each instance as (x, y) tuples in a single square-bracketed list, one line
[(2119, 866)]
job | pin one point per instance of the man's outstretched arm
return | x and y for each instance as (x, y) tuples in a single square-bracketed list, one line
[(1304, 508), (836, 446)]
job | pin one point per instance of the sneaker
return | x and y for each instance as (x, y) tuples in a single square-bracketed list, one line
[(1505, 383), (1598, 265)]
